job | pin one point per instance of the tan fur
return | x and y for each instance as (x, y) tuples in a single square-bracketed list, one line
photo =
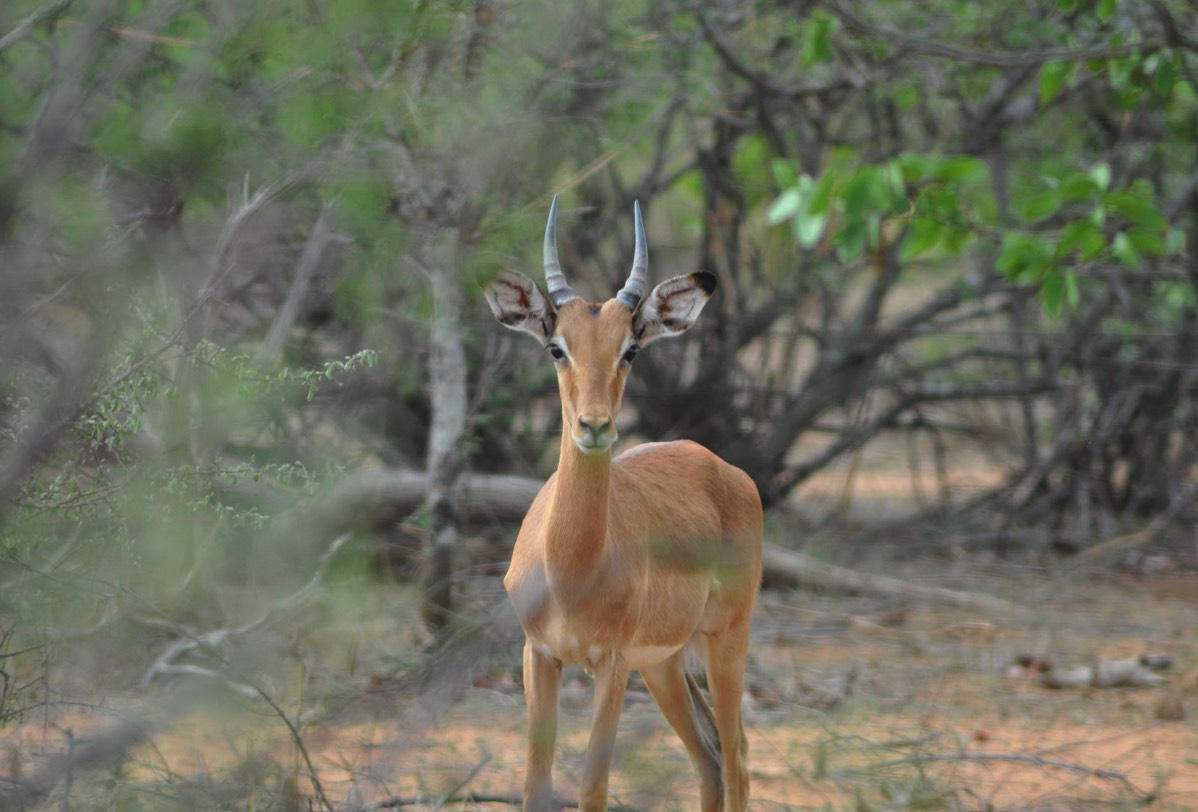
[(622, 562)]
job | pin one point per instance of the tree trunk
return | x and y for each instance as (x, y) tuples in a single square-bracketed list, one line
[(447, 380)]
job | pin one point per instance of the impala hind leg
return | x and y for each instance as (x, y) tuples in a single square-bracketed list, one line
[(611, 678), (689, 714), (725, 654), (542, 684)]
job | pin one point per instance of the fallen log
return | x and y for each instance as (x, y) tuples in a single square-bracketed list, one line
[(784, 567), (370, 499)]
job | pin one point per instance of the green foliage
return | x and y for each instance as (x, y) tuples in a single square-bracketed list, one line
[(936, 200)]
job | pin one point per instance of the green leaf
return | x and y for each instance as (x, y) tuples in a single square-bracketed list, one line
[(784, 207), (1175, 241), (821, 198), (1119, 73), (961, 169), (1135, 208), (1022, 257), (1052, 294), (808, 228), (921, 237), (1040, 206), (784, 173), (858, 194), (852, 241), (1052, 79), (1101, 173), (915, 166), (1104, 9), (1078, 187), (1124, 251), (1072, 293), (1082, 236), (1163, 79), (1147, 243), (817, 39)]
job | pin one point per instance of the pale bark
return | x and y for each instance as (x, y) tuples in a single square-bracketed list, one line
[(447, 378)]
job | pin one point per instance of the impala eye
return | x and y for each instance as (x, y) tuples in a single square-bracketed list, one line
[(630, 354), (557, 352)]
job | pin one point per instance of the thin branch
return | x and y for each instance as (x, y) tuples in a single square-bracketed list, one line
[(313, 775), (318, 240), (164, 663), (34, 19), (939, 49)]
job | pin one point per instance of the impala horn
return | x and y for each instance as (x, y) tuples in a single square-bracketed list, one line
[(559, 289), (634, 289)]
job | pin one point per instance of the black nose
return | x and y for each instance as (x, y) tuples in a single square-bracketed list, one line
[(595, 426)]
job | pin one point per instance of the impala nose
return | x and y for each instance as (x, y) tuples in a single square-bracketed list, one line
[(595, 433)]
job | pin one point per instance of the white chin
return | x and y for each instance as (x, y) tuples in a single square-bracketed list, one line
[(592, 449)]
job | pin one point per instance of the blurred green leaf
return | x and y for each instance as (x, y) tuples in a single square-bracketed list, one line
[(922, 236), (1052, 78), (817, 38), (1124, 251), (808, 228), (784, 207), (1022, 257), (1135, 208), (1052, 293), (784, 172), (1040, 206), (1082, 236), (962, 169), (1164, 78)]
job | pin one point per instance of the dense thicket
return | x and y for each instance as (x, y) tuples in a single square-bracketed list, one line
[(230, 231)]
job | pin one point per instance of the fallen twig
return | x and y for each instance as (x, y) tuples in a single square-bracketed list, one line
[(480, 798), (1018, 758)]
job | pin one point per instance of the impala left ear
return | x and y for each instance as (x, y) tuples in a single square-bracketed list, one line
[(672, 307)]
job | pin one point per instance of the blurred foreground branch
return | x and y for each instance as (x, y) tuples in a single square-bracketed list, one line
[(107, 749), (164, 664)]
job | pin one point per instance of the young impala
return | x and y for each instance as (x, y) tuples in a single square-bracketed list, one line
[(630, 562)]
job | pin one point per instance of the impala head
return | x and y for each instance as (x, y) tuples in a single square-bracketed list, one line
[(593, 344)]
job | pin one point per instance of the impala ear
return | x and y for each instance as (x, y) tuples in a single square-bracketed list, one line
[(520, 305), (672, 307)]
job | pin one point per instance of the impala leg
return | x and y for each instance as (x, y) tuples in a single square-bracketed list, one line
[(611, 678), (687, 712), (542, 684), (726, 655)]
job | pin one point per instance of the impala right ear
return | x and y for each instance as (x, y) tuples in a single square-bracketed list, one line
[(520, 305)]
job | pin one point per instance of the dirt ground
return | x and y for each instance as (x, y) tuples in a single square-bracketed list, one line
[(854, 703)]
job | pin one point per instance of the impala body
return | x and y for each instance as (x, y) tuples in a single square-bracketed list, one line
[(628, 562)]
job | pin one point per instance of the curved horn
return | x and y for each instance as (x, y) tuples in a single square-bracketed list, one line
[(634, 289), (555, 280)]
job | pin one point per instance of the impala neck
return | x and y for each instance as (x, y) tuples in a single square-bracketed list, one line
[(577, 527)]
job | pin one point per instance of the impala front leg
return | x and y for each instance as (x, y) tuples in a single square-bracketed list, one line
[(542, 682), (611, 678)]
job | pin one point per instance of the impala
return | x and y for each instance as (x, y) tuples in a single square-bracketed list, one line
[(629, 563)]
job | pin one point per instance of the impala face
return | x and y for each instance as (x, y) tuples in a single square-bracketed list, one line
[(593, 345), (592, 349)]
